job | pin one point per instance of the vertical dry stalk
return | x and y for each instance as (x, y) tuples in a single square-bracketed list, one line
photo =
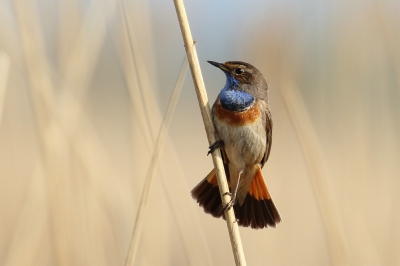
[(27, 236), (52, 150), (79, 54), (57, 132), (81, 62), (4, 69), (318, 177), (153, 166), (129, 54), (126, 40), (206, 114)]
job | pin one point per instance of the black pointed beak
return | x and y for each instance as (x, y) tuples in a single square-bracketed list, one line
[(215, 64), (219, 65)]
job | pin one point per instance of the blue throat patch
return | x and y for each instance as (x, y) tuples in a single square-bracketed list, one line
[(233, 99)]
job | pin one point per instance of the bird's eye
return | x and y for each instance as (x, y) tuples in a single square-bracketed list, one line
[(239, 71)]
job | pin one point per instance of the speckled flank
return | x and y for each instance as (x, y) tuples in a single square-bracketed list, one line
[(237, 118)]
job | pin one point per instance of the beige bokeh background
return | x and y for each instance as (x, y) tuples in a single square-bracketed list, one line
[(84, 86)]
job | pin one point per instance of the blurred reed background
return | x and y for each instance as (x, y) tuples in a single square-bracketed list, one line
[(84, 86)]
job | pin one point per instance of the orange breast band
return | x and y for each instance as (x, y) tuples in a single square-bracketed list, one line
[(237, 118)]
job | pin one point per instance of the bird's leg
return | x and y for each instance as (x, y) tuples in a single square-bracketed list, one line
[(233, 197), (215, 145)]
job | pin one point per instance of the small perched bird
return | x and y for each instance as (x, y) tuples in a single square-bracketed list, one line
[(243, 125)]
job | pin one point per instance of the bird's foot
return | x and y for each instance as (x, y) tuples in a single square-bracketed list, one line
[(216, 145), (229, 204)]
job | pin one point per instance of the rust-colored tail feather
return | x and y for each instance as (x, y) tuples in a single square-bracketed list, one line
[(206, 193), (258, 210)]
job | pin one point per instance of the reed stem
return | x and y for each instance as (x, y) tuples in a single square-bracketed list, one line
[(209, 126)]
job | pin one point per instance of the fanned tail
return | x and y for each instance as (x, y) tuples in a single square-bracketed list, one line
[(206, 193), (257, 211)]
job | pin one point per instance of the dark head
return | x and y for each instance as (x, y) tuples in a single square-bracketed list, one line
[(245, 77)]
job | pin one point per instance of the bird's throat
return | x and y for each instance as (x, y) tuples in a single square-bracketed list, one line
[(235, 100)]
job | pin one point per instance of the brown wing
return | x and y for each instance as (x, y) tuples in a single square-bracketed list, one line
[(268, 129)]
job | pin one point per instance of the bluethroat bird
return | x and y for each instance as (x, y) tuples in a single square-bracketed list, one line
[(243, 124)]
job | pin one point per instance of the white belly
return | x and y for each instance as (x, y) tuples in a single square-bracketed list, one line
[(244, 145), (244, 136)]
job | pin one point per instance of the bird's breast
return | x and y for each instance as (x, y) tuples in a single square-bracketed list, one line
[(243, 134), (235, 100), (247, 116)]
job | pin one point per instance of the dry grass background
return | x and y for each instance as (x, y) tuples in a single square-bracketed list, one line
[(84, 86)]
